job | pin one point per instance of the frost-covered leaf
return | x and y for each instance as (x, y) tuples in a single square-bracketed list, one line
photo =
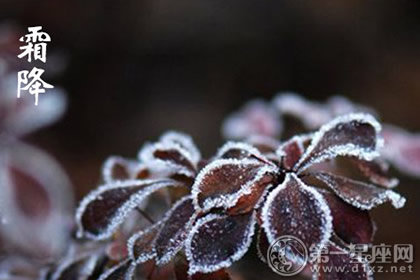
[(216, 241), (103, 210), (255, 118), (217, 275), (349, 135), (359, 194), (174, 231), (253, 200), (141, 247), (185, 141), (262, 245), (376, 171), (312, 114), (402, 149), (295, 209), (351, 224), (223, 182), (36, 201), (80, 268), (120, 271), (181, 266), (175, 153), (117, 168), (339, 264), (291, 151), (265, 144), (240, 150)]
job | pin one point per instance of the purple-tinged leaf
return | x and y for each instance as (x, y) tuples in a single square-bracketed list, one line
[(295, 209), (36, 201), (376, 171), (291, 151), (352, 225), (402, 149), (359, 194), (141, 246), (216, 241), (265, 144), (349, 135), (117, 168), (175, 153), (339, 264), (255, 118), (176, 225), (103, 210), (312, 114), (262, 245), (185, 141), (120, 271), (223, 182), (81, 267), (240, 150)]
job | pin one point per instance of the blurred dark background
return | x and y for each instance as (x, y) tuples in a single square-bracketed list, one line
[(136, 68)]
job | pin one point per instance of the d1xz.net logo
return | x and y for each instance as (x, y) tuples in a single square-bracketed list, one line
[(287, 256)]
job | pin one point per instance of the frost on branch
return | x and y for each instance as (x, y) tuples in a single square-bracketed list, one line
[(293, 208), (359, 194), (223, 182), (216, 241), (349, 135), (103, 210)]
